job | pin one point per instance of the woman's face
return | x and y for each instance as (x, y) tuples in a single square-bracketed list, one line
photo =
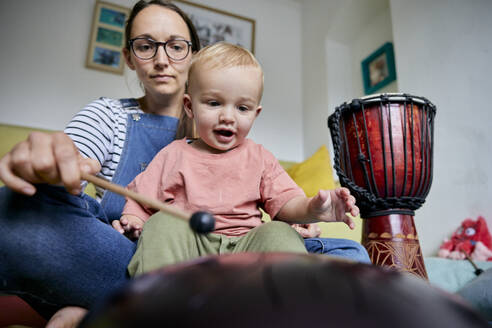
[(160, 75)]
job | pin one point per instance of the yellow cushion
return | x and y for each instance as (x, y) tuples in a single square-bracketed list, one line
[(316, 173)]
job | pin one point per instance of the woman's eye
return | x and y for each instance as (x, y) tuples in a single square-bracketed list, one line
[(176, 47), (145, 47)]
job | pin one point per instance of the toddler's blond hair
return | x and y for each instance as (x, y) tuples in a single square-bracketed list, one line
[(223, 55)]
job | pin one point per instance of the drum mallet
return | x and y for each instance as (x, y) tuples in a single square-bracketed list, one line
[(201, 222)]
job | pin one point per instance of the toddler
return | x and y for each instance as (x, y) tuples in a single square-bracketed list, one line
[(225, 173)]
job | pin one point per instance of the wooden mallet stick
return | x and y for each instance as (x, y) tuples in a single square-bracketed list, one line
[(202, 222)]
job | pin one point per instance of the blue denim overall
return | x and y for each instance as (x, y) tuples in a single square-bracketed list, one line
[(57, 249)]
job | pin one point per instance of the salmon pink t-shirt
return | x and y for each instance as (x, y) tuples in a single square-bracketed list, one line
[(232, 185)]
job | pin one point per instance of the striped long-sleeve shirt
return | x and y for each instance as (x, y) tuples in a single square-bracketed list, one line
[(99, 132)]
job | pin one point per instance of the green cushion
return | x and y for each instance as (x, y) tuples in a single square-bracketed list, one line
[(10, 135)]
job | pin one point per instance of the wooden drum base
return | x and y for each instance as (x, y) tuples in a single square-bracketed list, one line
[(392, 241)]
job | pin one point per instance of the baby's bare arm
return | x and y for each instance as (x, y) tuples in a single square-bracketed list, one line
[(327, 206)]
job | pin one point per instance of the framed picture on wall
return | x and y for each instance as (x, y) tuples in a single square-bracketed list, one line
[(378, 69), (214, 25), (107, 38)]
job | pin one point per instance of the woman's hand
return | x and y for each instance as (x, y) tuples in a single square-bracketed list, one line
[(45, 158), (129, 225)]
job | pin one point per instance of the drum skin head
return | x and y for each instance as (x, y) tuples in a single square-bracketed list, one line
[(280, 290)]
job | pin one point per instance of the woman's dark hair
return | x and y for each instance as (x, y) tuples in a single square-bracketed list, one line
[(142, 4)]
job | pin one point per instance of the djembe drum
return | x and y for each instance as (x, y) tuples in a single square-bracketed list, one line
[(383, 154)]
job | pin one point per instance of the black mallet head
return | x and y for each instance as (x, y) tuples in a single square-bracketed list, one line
[(202, 222)]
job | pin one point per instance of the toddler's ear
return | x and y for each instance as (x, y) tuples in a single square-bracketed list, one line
[(187, 105), (258, 111)]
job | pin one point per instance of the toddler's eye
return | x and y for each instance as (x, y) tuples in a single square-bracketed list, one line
[(213, 103), (243, 108)]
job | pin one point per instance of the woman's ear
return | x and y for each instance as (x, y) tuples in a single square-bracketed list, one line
[(128, 58), (187, 105)]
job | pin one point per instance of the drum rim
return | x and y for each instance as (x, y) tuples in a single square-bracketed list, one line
[(381, 99), (394, 96)]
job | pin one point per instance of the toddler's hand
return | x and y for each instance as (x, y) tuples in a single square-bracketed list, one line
[(311, 230), (129, 225), (331, 206)]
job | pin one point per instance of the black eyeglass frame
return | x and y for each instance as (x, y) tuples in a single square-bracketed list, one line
[(158, 44)]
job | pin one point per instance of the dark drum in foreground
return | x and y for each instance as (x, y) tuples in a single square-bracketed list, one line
[(280, 290)]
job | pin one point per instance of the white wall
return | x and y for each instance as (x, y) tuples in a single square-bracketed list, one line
[(337, 35), (444, 51), (278, 48), (314, 77), (43, 76), (44, 81), (377, 32)]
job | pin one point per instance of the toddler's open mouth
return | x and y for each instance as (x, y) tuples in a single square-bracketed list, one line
[(225, 133)]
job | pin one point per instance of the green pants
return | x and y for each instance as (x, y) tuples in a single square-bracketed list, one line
[(166, 240)]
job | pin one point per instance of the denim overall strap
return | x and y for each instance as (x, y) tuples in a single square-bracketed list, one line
[(146, 135)]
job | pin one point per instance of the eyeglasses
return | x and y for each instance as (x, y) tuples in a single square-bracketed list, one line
[(145, 48)]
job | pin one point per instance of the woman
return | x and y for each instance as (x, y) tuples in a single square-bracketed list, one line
[(60, 248)]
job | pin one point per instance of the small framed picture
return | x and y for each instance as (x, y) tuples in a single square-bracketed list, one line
[(214, 25), (107, 38), (378, 69)]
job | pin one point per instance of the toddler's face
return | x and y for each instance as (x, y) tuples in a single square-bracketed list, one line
[(224, 103)]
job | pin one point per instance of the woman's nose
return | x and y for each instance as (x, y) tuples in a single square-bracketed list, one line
[(161, 57)]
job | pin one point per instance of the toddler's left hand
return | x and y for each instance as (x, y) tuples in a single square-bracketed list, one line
[(129, 225), (331, 206), (311, 230)]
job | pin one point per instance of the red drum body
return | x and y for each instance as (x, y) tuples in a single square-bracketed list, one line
[(383, 154)]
